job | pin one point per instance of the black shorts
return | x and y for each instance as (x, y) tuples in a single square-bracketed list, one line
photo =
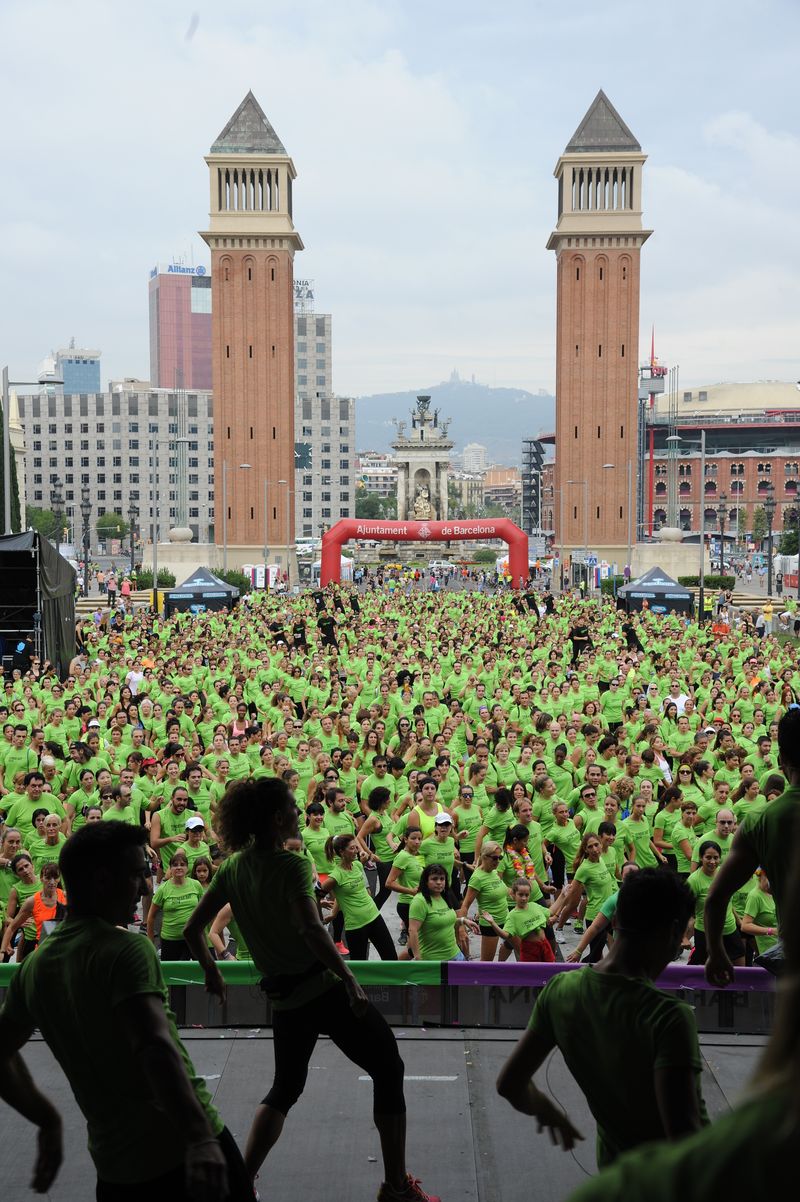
[(733, 944), (487, 932), (171, 1186)]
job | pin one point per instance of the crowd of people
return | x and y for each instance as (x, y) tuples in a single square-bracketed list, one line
[(499, 765)]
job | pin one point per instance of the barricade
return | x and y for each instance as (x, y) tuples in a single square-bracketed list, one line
[(472, 994)]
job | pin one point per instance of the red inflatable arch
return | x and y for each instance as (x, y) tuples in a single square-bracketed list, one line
[(435, 532)]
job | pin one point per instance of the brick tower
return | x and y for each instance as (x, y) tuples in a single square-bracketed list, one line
[(253, 241), (597, 242)]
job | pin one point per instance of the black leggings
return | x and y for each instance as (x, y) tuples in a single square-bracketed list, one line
[(402, 912), (366, 1039), (558, 868), (175, 949), (596, 947), (383, 868), (171, 1186), (375, 933)]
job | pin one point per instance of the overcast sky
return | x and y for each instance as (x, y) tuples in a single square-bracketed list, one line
[(424, 133)]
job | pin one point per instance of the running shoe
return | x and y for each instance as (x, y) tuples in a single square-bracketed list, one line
[(578, 928), (342, 949), (560, 936), (410, 1191), (403, 937)]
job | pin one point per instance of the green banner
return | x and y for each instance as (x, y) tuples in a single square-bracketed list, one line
[(368, 972)]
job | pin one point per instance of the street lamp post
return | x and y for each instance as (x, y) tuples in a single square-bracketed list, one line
[(5, 390), (631, 498), (722, 515), (769, 509), (289, 493), (57, 502), (133, 514), (266, 528), (86, 511)]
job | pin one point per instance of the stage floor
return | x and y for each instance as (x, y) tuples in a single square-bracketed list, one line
[(465, 1142)]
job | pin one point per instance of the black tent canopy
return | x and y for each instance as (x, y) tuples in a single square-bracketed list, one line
[(659, 590), (202, 591), (37, 600)]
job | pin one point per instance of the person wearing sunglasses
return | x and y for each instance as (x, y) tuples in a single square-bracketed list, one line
[(721, 836), (488, 889)]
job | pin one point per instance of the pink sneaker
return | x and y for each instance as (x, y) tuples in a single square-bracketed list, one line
[(410, 1191)]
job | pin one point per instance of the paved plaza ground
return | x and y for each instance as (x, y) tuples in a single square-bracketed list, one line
[(464, 1141)]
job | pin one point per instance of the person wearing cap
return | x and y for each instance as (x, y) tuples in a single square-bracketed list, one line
[(195, 845), (441, 848)]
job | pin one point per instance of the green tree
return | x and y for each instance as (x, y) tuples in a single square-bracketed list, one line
[(43, 521), (372, 507), (111, 525), (788, 543), (16, 524), (759, 524)]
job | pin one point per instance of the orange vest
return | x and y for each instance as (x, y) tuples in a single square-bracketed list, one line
[(43, 913)]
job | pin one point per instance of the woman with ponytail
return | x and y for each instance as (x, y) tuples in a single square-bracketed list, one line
[(311, 989)]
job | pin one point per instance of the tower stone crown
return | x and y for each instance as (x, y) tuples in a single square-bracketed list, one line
[(600, 182), (251, 178)]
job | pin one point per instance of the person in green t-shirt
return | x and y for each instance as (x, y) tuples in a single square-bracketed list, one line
[(699, 882), (378, 827), (586, 1013), (525, 927), (710, 1164), (348, 884), (311, 988), (176, 897), (435, 931), (591, 880), (764, 840), (404, 877), (759, 920), (489, 890), (134, 1058)]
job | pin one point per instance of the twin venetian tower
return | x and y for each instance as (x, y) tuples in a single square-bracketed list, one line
[(253, 241), (597, 240)]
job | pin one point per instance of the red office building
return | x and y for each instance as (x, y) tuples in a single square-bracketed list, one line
[(180, 326)]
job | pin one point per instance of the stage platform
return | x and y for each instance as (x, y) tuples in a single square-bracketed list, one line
[(465, 1142)]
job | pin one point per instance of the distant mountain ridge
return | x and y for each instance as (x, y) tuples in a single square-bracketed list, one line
[(499, 418)]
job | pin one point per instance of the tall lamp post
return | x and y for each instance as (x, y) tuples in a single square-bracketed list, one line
[(133, 516), (722, 510), (289, 493), (5, 397), (57, 502), (769, 509), (631, 501), (86, 511), (797, 514)]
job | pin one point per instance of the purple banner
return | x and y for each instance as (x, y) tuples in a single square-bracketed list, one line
[(675, 976)]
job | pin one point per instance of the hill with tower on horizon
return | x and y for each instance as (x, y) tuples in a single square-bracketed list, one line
[(499, 418)]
